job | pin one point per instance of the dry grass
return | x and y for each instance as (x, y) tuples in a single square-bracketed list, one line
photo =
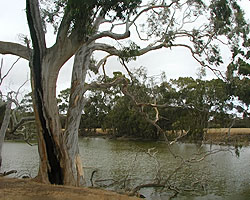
[(233, 131), (219, 135)]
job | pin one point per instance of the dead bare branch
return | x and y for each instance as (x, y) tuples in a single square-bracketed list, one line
[(21, 122), (7, 73), (8, 173)]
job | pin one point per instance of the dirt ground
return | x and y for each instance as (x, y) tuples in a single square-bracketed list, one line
[(23, 189)]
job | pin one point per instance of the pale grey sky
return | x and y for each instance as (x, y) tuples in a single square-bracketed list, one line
[(13, 24)]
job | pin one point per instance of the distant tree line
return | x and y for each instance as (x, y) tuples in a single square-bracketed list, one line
[(187, 104)]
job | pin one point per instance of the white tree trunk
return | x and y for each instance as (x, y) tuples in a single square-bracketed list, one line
[(4, 127), (76, 104), (55, 163)]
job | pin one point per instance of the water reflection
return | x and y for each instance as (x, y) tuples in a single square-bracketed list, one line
[(20, 157), (222, 176)]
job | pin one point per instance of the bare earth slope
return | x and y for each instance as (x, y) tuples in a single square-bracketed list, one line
[(20, 189)]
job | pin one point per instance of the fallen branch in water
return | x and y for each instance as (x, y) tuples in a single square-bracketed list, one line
[(8, 173), (148, 185)]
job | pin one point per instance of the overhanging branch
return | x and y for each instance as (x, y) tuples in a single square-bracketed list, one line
[(14, 49), (114, 51), (109, 34), (96, 85)]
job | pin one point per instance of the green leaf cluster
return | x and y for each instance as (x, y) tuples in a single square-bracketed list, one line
[(80, 14), (129, 53)]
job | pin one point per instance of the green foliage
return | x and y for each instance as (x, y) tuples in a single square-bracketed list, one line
[(121, 7), (224, 18), (26, 104), (244, 68), (192, 105), (214, 55), (228, 19), (242, 89), (129, 53), (125, 119), (96, 110), (111, 110), (63, 100), (81, 13), (238, 74), (221, 14)]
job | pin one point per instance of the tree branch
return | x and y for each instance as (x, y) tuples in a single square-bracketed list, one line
[(148, 185), (114, 51), (63, 28), (4, 76), (151, 8), (109, 34), (14, 49), (202, 63), (21, 122), (96, 85)]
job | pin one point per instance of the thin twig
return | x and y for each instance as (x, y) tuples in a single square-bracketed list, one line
[(7, 73)]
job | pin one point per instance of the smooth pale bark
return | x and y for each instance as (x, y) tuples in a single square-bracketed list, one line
[(55, 162), (76, 104), (45, 65), (4, 127), (14, 49), (65, 145)]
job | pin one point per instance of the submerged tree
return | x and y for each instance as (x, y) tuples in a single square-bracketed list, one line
[(195, 25)]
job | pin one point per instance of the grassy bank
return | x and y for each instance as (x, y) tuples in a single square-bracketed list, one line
[(23, 189)]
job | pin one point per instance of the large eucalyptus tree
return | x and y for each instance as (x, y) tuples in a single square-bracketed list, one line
[(199, 26)]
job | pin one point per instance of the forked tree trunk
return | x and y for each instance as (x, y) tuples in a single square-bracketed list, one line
[(55, 166), (54, 161), (60, 162), (59, 152)]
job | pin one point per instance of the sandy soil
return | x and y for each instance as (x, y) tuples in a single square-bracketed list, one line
[(22, 189)]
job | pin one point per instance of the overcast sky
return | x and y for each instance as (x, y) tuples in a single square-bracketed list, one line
[(13, 25)]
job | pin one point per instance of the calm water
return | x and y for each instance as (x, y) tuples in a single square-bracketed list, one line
[(126, 164)]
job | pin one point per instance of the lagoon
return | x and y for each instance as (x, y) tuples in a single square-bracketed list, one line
[(121, 165)]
